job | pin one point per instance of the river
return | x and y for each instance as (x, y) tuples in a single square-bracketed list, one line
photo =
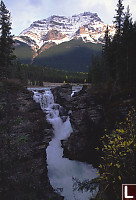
[(62, 170)]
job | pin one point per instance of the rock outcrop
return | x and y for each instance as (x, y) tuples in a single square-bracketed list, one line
[(62, 95), (60, 29), (24, 136), (87, 122), (91, 113)]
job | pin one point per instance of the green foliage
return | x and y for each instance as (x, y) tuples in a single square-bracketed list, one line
[(95, 71), (36, 75), (118, 161), (119, 18), (6, 41), (119, 151), (23, 52), (87, 185), (69, 56), (18, 120), (22, 139), (118, 60)]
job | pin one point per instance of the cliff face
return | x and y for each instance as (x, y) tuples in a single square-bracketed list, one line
[(24, 136), (58, 29), (60, 42), (92, 113), (87, 120)]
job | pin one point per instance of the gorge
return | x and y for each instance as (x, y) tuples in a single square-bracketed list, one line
[(61, 171), (33, 163)]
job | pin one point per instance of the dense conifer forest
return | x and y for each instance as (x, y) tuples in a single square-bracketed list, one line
[(36, 75), (114, 76), (114, 73), (118, 62)]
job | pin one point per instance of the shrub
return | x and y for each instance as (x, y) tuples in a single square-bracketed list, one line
[(118, 161)]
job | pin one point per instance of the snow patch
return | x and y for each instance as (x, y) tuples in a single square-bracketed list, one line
[(94, 29)]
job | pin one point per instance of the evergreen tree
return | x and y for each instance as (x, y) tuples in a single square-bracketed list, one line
[(118, 63), (116, 43), (119, 18), (106, 55), (95, 75), (126, 42), (107, 38), (6, 42)]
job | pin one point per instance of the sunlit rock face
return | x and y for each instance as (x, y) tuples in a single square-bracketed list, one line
[(58, 29)]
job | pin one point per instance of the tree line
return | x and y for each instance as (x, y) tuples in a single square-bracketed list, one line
[(37, 75), (28, 74), (117, 64), (118, 61), (6, 42)]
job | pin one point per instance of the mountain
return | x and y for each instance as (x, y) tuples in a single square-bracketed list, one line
[(24, 52), (74, 55), (56, 34)]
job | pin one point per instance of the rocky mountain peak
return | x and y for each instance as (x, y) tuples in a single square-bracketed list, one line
[(57, 29)]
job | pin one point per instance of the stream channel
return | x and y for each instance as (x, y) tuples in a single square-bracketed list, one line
[(62, 170)]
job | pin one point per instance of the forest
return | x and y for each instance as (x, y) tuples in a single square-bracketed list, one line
[(117, 66), (37, 75), (113, 74), (11, 68)]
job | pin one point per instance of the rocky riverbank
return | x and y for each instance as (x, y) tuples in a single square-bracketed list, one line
[(91, 113), (87, 120), (24, 136)]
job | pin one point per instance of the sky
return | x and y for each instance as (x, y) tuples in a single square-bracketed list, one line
[(24, 12)]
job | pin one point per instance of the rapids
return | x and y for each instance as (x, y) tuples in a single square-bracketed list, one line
[(61, 170)]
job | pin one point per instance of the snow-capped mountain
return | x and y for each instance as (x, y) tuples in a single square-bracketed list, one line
[(43, 34)]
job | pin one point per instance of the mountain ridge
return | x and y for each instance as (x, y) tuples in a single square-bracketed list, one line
[(58, 29), (40, 43)]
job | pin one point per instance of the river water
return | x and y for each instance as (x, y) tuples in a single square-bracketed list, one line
[(61, 171)]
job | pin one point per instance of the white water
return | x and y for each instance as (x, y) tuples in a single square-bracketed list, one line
[(61, 170), (76, 89)]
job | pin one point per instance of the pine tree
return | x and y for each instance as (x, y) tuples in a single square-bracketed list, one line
[(6, 42), (126, 40), (119, 18), (107, 38), (129, 43), (116, 43), (106, 54)]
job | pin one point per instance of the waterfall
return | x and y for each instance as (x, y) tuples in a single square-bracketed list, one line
[(61, 170)]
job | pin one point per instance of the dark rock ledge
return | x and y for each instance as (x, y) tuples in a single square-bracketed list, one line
[(24, 136), (91, 113), (87, 122)]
